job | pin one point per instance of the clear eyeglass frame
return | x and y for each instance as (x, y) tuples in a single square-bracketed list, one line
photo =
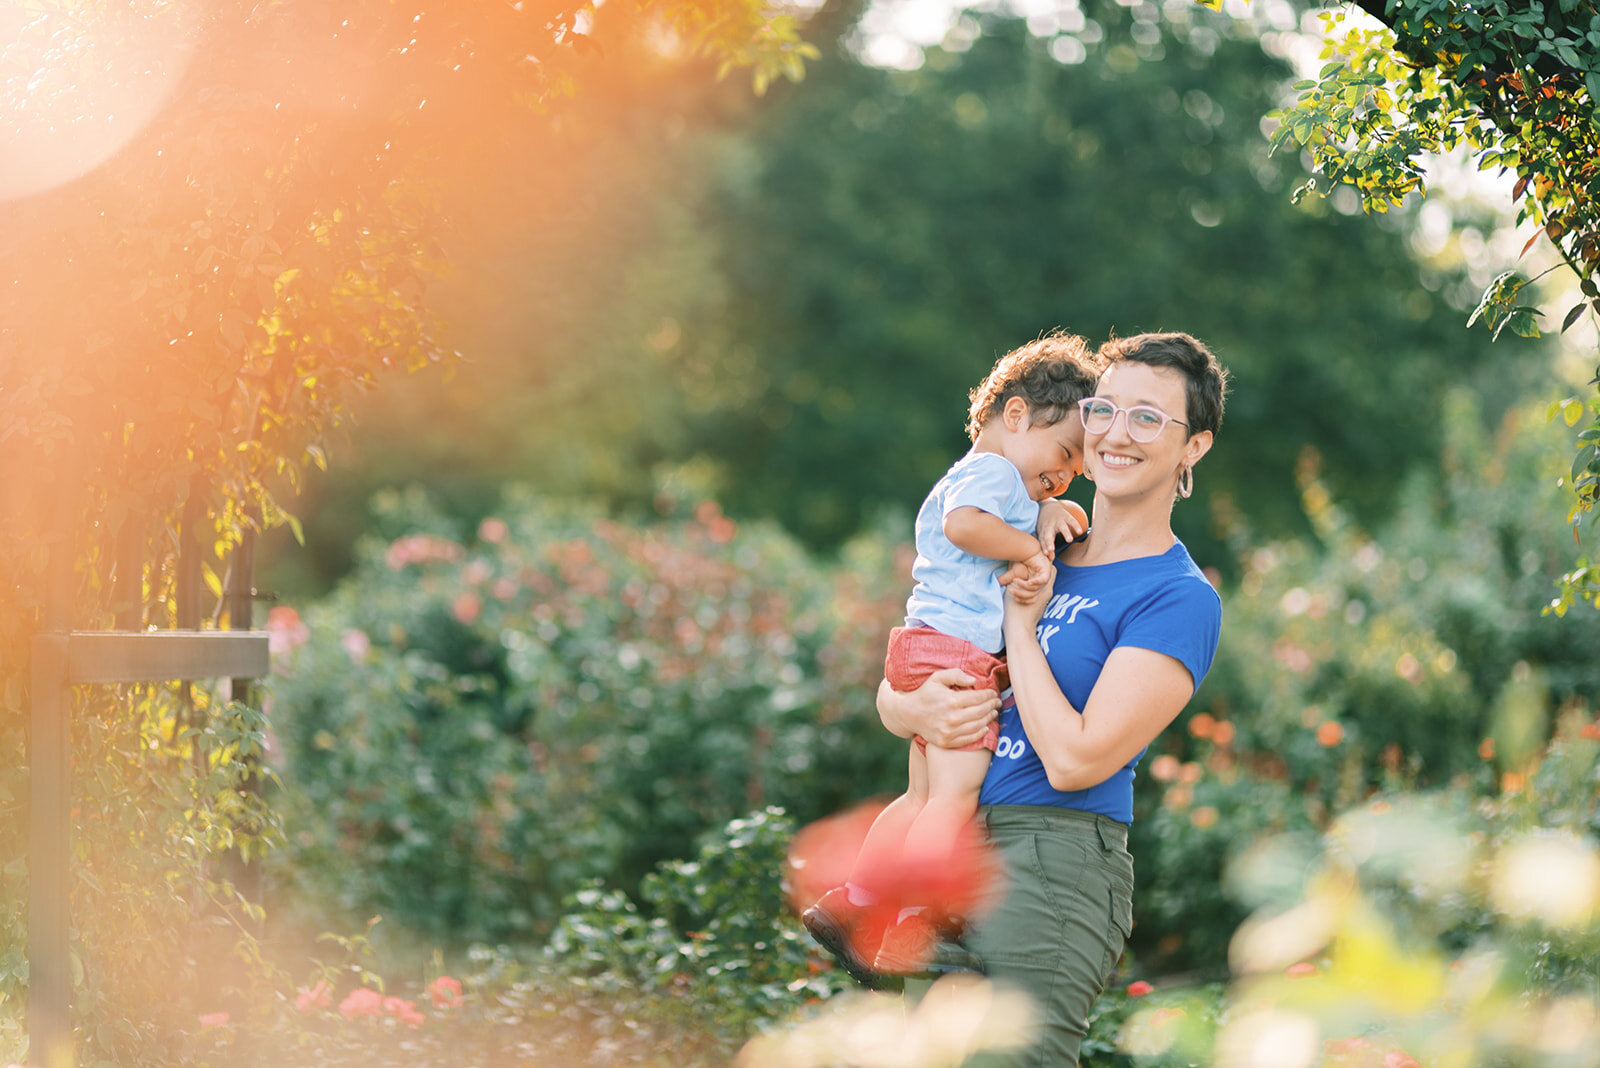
[(1145, 421)]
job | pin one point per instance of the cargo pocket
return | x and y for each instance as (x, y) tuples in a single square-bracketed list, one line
[(1119, 927)]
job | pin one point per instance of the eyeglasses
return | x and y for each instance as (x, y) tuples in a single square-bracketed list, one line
[(1145, 423)]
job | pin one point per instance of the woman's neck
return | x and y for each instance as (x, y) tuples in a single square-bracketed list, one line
[(1117, 532)]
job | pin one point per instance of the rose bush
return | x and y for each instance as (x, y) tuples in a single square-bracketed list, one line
[(474, 726)]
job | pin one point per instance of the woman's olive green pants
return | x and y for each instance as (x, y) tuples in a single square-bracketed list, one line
[(1062, 917)]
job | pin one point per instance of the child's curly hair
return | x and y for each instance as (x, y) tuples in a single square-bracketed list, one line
[(1052, 373)]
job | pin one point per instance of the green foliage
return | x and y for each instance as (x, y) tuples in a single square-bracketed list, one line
[(181, 327), (886, 234), (159, 803), (711, 941), (1517, 85), (1419, 656), (468, 733)]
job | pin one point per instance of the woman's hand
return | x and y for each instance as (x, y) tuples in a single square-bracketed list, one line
[(945, 710)]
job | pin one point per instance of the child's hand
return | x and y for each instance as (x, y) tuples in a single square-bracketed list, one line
[(1026, 578), (1065, 519), (1028, 596)]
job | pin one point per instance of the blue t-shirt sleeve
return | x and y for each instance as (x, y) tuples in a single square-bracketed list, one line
[(989, 483), (1183, 620)]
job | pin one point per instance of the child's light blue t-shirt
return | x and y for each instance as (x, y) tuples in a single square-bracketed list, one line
[(957, 593)]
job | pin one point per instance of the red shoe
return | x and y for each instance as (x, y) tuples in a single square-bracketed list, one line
[(907, 946), (851, 934)]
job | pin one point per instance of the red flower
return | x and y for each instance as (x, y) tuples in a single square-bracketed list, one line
[(957, 880), (361, 1002), (317, 997), (445, 992), (1139, 989)]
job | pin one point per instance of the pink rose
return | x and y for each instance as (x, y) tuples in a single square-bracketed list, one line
[(317, 997), (361, 1002), (356, 644)]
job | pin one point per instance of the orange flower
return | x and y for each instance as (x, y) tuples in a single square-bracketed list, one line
[(1512, 783), (1164, 768), (467, 608), (1139, 989), (1486, 749), (1330, 733), (1590, 730), (1202, 724), (493, 530), (1204, 816), (445, 992), (1222, 733)]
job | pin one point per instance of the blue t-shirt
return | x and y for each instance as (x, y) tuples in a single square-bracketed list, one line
[(1163, 603), (957, 593)]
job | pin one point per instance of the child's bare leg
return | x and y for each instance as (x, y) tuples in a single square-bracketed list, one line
[(887, 836), (954, 778)]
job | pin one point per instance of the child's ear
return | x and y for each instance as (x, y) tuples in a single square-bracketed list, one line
[(1014, 413)]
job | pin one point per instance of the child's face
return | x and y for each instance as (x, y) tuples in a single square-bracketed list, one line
[(1049, 457)]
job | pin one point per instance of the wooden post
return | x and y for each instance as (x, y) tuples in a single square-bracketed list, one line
[(186, 590), (49, 821), (240, 597)]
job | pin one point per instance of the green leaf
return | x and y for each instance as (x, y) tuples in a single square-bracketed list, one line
[(1572, 315)]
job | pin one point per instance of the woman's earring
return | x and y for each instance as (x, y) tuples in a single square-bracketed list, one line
[(1186, 482)]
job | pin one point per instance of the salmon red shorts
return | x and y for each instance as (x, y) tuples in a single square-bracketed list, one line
[(917, 652)]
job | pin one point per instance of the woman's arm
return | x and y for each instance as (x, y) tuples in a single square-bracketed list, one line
[(945, 710), (1138, 693)]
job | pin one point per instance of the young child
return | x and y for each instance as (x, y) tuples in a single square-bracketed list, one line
[(979, 520)]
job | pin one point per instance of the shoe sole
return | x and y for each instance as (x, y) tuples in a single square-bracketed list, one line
[(834, 937)]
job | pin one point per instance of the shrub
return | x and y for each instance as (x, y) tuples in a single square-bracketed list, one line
[(1415, 657), (469, 731), (711, 942)]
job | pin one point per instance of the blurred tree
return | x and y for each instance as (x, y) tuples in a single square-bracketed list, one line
[(218, 222), (886, 234), (1515, 83)]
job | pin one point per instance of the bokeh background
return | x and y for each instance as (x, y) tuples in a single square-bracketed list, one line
[(577, 621)]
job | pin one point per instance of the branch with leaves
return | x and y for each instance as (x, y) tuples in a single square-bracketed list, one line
[(1515, 83)]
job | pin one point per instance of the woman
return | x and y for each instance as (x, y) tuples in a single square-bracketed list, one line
[(1100, 664)]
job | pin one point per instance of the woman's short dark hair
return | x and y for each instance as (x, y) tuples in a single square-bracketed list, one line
[(1205, 380), (1052, 373)]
